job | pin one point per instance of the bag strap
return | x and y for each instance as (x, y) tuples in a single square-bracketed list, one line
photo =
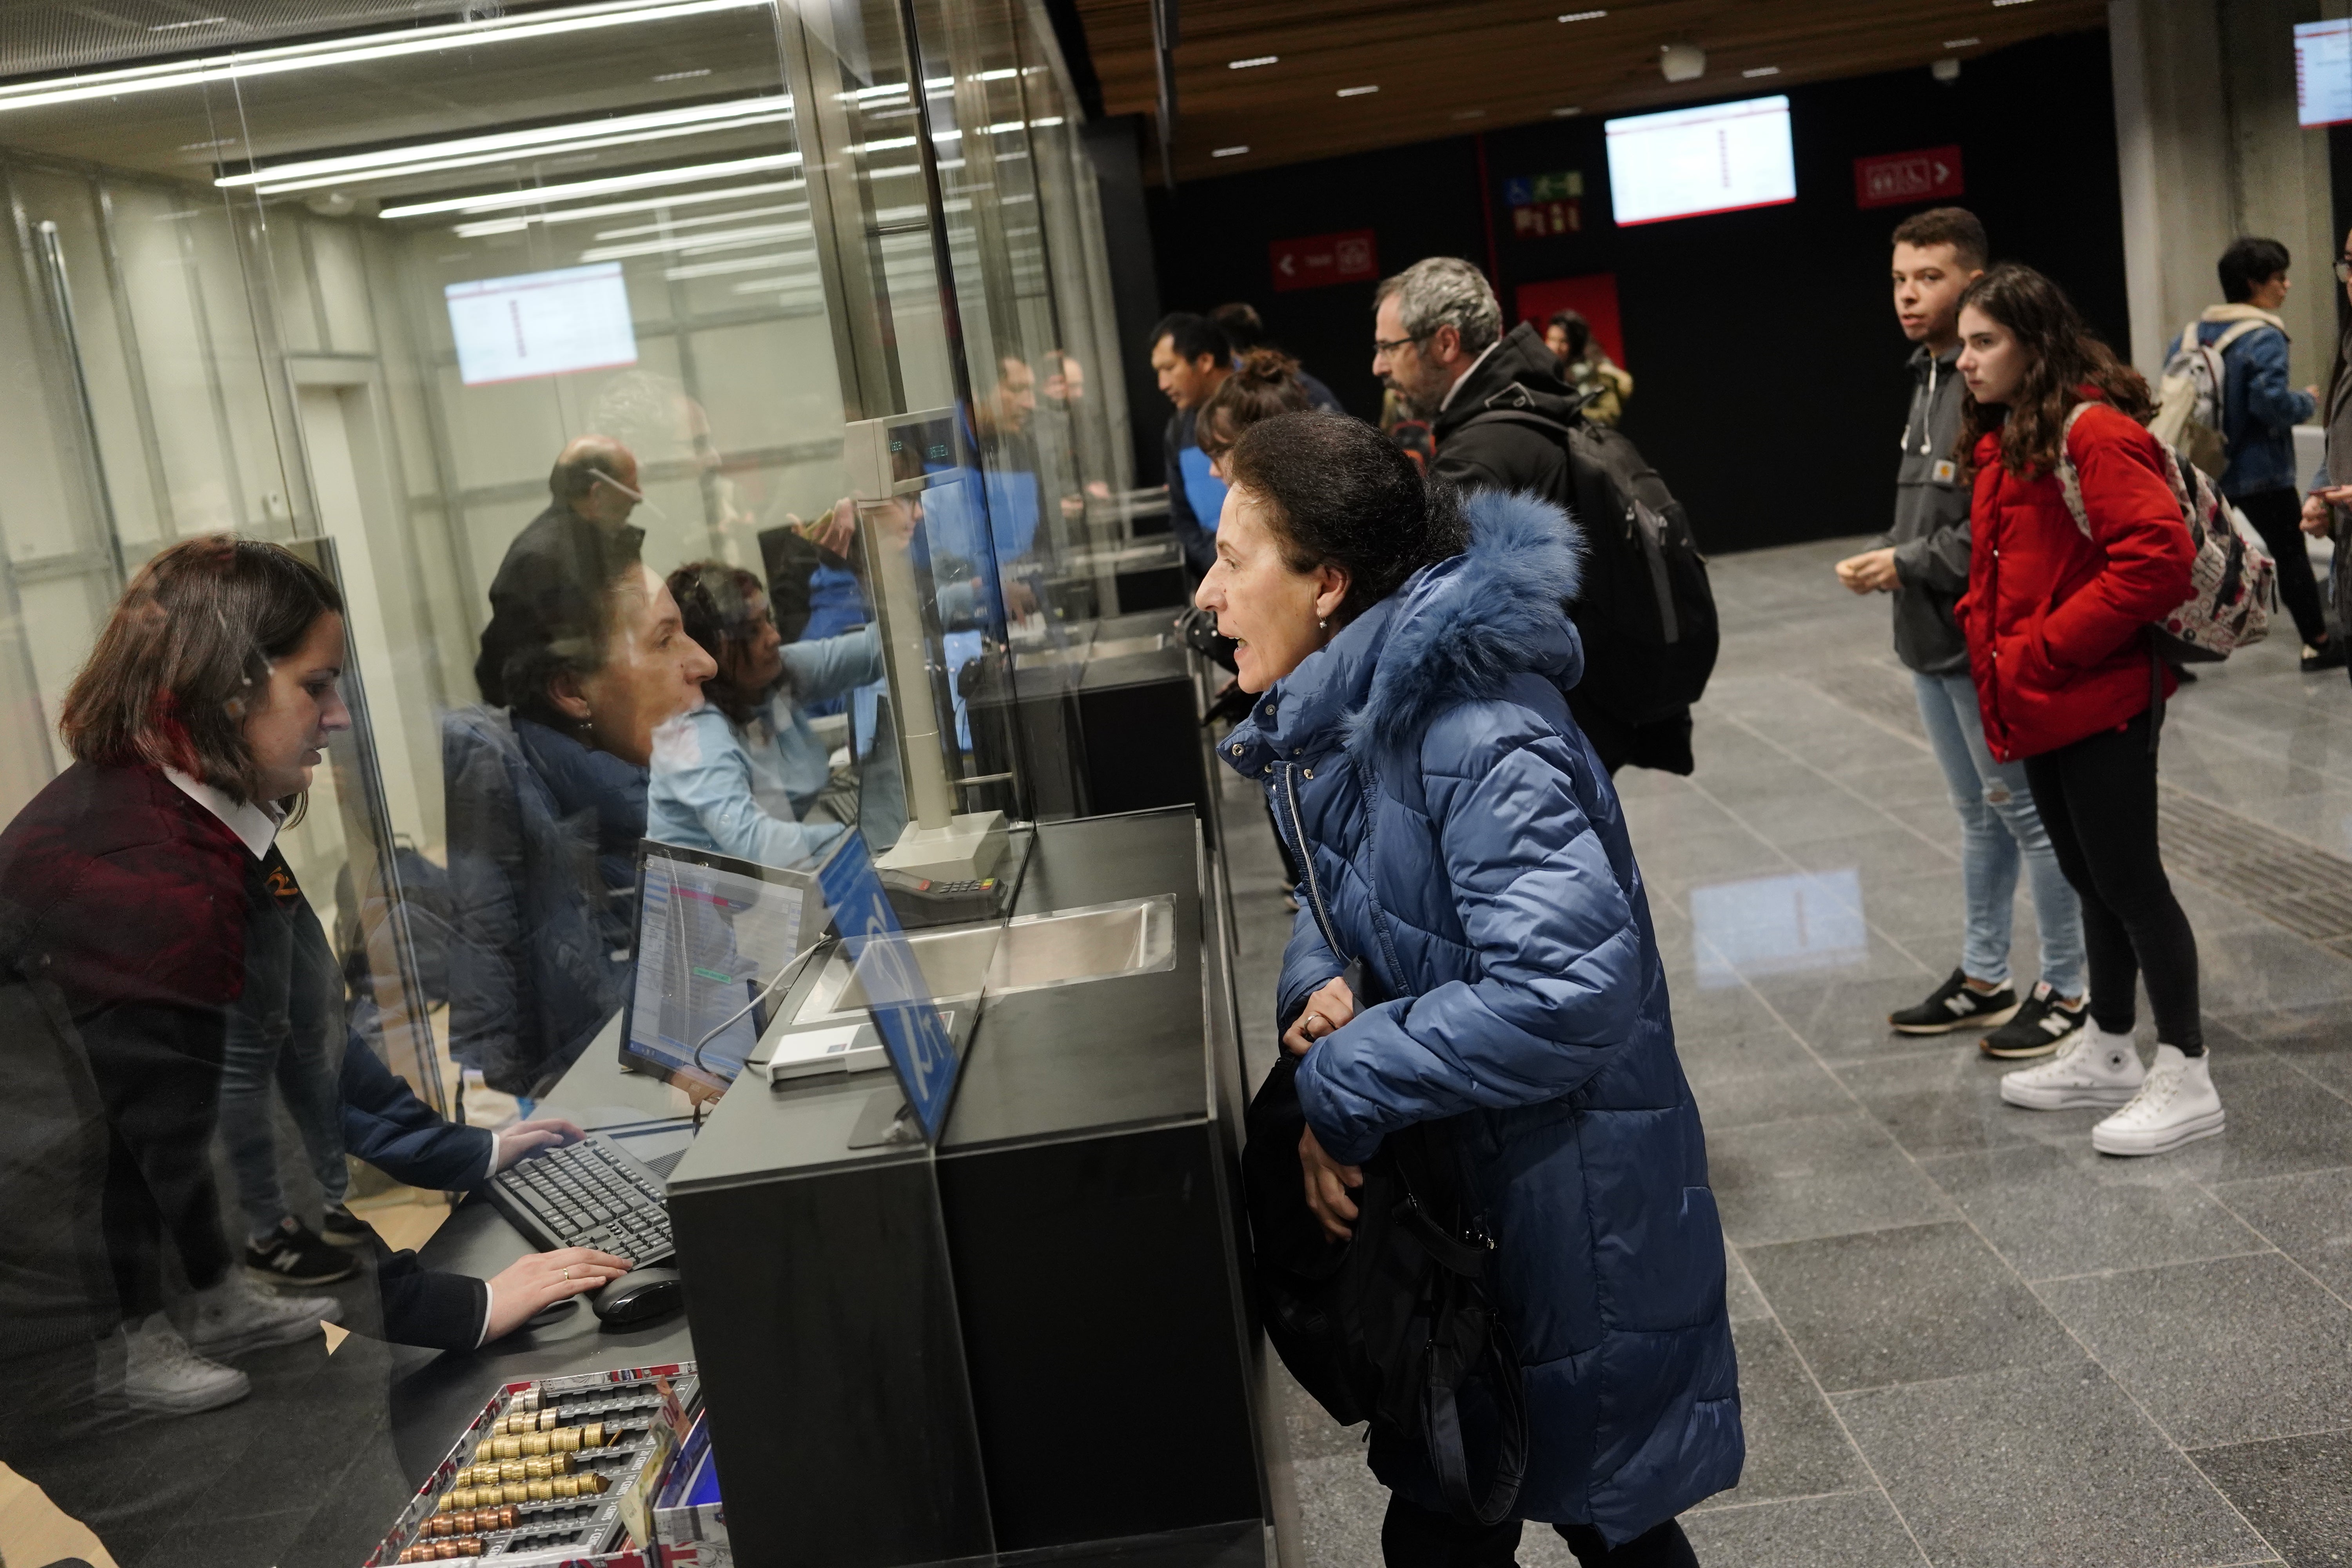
[(2237, 330), (1442, 1431), (2069, 481)]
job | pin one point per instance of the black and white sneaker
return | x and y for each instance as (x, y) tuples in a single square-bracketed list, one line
[(2041, 1025), (345, 1228), (1956, 1004), (296, 1255)]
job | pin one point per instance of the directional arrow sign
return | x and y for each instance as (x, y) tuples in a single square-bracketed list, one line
[(1902, 179), (1321, 258)]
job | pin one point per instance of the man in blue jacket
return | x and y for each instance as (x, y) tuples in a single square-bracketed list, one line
[(2259, 413), (1191, 358)]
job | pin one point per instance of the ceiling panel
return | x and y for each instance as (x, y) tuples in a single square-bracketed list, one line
[(1446, 69)]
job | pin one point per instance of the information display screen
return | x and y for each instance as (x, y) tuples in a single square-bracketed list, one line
[(1720, 158), (542, 323), (2323, 72)]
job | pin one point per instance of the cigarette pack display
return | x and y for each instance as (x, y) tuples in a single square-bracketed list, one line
[(560, 1472)]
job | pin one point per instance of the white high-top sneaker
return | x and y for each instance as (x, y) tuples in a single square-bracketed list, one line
[(237, 1315), (159, 1373), (2175, 1105), (2096, 1068)]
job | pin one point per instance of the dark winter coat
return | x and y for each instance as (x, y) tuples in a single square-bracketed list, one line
[(2057, 624), (1462, 837), (1930, 536), (1500, 455)]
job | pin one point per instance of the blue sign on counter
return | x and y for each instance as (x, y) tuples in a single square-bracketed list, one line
[(914, 1035)]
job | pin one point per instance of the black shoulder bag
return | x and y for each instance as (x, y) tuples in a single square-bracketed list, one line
[(1386, 1326)]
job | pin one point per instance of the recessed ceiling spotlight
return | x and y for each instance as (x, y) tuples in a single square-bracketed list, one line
[(1761, 70), (1565, 112), (1962, 43), (1358, 91), (1582, 16), (1227, 152), (1253, 60), (1685, 61)]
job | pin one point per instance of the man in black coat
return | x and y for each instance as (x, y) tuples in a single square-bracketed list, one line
[(559, 557), (1439, 344)]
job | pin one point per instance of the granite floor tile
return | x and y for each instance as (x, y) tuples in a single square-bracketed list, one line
[(2296, 1490), (1742, 1300), (2044, 1465), (1307, 1426), (1341, 1504), (1844, 1018), (1903, 1306), (1825, 1175), (2225, 1351), (2307, 1216), (2268, 967), (1795, 1446), (1940, 1095), (2059, 1207), (1850, 1529), (1800, 1089), (2318, 1040), (2279, 1122)]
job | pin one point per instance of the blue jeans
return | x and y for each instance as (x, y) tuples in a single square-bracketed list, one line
[(2000, 829)]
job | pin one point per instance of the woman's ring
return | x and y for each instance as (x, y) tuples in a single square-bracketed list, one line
[(1304, 1031), (567, 1274)]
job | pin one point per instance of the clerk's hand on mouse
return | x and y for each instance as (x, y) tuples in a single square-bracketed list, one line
[(526, 1138), (1328, 1185), (530, 1285), (1331, 1005)]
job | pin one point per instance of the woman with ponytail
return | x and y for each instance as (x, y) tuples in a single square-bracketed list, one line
[(2061, 594)]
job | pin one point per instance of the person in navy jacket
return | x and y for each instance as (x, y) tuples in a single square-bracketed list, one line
[(1460, 837)]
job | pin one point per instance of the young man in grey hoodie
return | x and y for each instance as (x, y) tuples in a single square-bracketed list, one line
[(1923, 561)]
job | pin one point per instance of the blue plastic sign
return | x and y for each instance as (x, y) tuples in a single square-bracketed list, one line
[(913, 1033)]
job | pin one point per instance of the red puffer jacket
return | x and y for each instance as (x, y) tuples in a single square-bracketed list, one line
[(2057, 623)]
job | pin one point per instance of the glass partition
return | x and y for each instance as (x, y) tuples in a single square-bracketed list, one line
[(700, 407)]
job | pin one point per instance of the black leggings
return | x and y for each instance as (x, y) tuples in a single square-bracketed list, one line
[(2097, 801), (2277, 516), (1412, 1537)]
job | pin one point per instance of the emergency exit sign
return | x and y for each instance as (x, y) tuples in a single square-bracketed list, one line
[(1900, 179)]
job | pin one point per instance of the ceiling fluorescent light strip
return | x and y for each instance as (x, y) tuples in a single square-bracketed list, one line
[(404, 171), (1253, 61), (247, 64), (1962, 43), (425, 157), (499, 201), (620, 209), (1227, 152), (1582, 16), (1761, 70), (1357, 91)]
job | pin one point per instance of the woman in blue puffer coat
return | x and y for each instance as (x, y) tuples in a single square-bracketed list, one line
[(1462, 838)]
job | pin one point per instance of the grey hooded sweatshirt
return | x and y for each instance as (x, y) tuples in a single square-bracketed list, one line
[(1931, 535)]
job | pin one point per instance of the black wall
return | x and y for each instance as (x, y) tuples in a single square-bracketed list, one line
[(1769, 367)]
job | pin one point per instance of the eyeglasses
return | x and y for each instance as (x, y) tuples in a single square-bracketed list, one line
[(1391, 345)]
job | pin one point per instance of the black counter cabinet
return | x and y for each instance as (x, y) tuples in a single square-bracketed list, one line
[(1035, 1339)]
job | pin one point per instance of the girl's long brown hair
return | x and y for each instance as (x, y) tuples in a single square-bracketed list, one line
[(2063, 356)]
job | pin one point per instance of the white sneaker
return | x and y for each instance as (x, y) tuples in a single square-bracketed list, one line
[(2175, 1105), (2096, 1068), (159, 1373), (237, 1315)]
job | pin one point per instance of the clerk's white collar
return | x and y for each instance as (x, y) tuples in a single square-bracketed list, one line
[(1458, 380), (256, 826)]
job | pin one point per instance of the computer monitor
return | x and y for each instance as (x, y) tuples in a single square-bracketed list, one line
[(712, 932)]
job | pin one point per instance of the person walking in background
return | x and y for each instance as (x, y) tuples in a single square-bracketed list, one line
[(1923, 561), (2057, 614), (1587, 367), (2327, 508), (1192, 359), (1245, 330), (1462, 839), (2259, 413)]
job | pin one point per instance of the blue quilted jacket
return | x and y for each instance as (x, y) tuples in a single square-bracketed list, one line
[(1461, 837)]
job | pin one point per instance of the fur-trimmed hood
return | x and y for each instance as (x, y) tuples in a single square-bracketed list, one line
[(1455, 632)]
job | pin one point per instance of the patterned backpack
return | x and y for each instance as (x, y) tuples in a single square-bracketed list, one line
[(2233, 581)]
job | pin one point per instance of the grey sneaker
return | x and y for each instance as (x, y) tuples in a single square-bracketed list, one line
[(160, 1374), (237, 1315)]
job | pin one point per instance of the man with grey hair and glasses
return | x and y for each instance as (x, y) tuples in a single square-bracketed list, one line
[(1439, 344)]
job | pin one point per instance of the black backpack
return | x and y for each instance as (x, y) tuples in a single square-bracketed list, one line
[(1646, 610)]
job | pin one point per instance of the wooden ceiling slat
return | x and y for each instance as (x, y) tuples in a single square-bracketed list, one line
[(1511, 60)]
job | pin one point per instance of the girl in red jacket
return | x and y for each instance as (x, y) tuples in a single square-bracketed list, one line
[(2056, 616)]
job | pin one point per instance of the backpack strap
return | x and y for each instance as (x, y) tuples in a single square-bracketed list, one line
[(2069, 481), (2237, 330)]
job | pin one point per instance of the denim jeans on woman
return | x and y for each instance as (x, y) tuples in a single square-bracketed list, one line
[(2000, 831)]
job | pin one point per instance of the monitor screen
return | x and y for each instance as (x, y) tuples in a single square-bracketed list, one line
[(711, 932), (1716, 159), (2323, 72), (542, 323)]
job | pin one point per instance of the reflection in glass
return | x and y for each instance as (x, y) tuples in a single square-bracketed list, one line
[(1777, 925)]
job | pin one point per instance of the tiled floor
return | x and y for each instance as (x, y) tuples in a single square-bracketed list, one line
[(1965, 1338)]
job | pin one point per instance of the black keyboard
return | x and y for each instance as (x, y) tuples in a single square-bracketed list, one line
[(589, 1194)]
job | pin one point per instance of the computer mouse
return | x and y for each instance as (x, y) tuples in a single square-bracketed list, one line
[(640, 1297)]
